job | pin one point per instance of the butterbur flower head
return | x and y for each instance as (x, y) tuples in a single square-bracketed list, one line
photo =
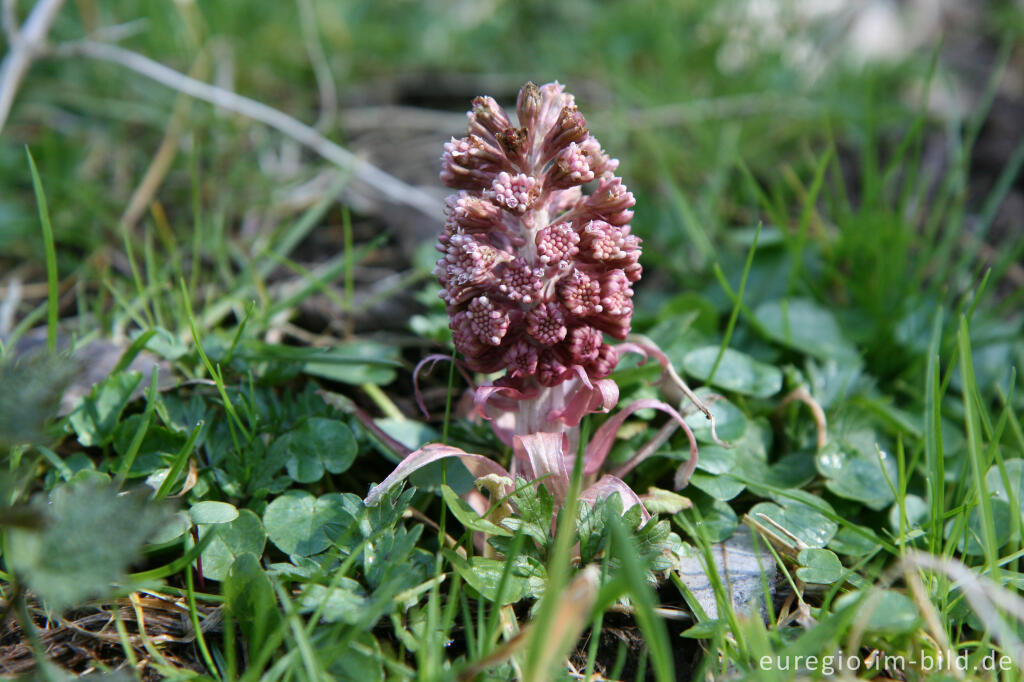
[(536, 269), (538, 265)]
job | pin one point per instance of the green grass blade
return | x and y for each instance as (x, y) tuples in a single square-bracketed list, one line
[(52, 284), (975, 450), (737, 303)]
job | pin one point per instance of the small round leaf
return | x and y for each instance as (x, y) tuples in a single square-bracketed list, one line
[(736, 371), (819, 566), (317, 445), (299, 523), (244, 535), (210, 511)]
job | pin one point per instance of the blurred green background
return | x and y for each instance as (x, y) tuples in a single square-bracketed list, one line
[(720, 112)]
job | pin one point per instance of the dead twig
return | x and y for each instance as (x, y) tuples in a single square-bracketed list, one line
[(321, 68), (803, 396), (163, 159), (26, 44)]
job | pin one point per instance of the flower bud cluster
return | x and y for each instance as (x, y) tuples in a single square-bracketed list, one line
[(535, 271)]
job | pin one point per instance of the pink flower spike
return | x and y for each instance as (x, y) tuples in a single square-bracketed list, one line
[(528, 106), (527, 255), (546, 323), (557, 244), (489, 323), (478, 465), (569, 127), (584, 345), (601, 442), (569, 169), (580, 294), (487, 118), (521, 359), (521, 283), (514, 193)]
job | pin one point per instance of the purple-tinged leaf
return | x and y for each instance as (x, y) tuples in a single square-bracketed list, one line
[(432, 360), (602, 440), (478, 465), (608, 485), (599, 396)]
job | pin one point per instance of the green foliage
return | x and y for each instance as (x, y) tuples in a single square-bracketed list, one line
[(855, 467), (230, 540), (71, 558), (802, 243), (300, 523), (30, 391), (736, 371), (96, 417), (249, 597), (805, 326), (316, 446), (819, 566)]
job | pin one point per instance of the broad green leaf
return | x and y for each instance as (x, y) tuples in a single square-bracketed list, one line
[(791, 471), (360, 362), (720, 487), (803, 325), (450, 471), (717, 520), (176, 526), (832, 380), (468, 517), (92, 535), (742, 566), (158, 446), (165, 344), (411, 433), (362, 661), (95, 418), (249, 598), (659, 501), (1001, 521), (851, 543), (342, 602), (891, 612), (916, 509), (713, 459), (157, 439), (299, 523), (243, 535), (209, 512), (730, 422), (1015, 477), (852, 467), (317, 445), (737, 372), (799, 520), (819, 566), (484, 576)]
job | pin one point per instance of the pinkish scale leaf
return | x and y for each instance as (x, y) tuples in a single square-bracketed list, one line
[(478, 465)]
